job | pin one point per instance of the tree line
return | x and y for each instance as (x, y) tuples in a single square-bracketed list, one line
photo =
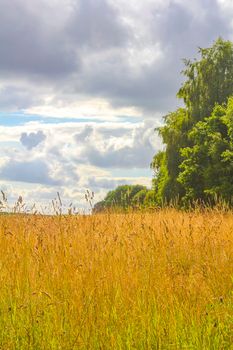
[(196, 164)]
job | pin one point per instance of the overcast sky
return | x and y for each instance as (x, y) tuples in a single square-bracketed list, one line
[(83, 84)]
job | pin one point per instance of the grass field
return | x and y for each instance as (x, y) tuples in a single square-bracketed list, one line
[(161, 280)]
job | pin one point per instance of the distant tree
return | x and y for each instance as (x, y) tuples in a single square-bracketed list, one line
[(122, 197), (150, 200), (99, 207), (139, 198)]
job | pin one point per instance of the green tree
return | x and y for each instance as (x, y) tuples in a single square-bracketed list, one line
[(209, 81), (139, 198), (166, 163), (150, 200), (122, 197), (207, 166)]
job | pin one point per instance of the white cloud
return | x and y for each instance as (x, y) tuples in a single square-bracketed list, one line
[(77, 155), (94, 108)]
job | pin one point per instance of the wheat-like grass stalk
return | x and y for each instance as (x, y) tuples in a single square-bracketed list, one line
[(157, 280)]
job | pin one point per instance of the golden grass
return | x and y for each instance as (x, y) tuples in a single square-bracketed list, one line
[(161, 280)]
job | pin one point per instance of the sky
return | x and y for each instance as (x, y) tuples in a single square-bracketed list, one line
[(83, 85)]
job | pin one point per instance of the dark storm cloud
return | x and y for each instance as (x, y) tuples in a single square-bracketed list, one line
[(29, 45), (32, 139), (13, 98), (81, 49), (183, 27), (34, 171), (94, 24), (180, 31), (154, 88)]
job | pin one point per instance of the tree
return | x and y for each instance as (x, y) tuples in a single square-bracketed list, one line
[(166, 163), (207, 166), (209, 81), (122, 197), (127, 196)]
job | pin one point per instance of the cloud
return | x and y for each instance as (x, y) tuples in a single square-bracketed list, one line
[(34, 171), (84, 134), (33, 44), (32, 139), (105, 183), (105, 132), (146, 73), (128, 55), (76, 151), (111, 61), (95, 24), (30, 44), (13, 98), (126, 148)]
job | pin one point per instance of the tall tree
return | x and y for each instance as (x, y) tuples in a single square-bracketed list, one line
[(209, 81)]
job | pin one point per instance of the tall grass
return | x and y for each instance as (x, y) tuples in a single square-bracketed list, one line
[(161, 280)]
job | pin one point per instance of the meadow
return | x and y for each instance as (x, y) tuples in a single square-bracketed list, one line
[(139, 280)]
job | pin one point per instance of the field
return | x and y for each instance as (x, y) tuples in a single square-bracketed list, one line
[(161, 280)]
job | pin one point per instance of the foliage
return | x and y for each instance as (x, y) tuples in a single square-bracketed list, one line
[(207, 166), (166, 163), (209, 80), (196, 162), (126, 196)]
